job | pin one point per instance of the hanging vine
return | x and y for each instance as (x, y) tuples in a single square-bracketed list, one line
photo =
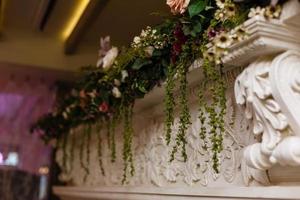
[(169, 102), (98, 131), (184, 116), (83, 164), (127, 145)]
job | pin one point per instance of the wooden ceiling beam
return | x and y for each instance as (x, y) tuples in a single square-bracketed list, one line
[(93, 9), (2, 6)]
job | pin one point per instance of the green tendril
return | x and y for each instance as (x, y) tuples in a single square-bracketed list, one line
[(169, 103), (98, 130)]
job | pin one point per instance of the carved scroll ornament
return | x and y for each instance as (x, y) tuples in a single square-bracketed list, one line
[(269, 92)]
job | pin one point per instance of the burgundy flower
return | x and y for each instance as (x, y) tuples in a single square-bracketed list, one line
[(176, 48), (211, 34), (103, 107), (180, 40)]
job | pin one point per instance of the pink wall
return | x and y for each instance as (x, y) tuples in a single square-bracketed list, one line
[(22, 101)]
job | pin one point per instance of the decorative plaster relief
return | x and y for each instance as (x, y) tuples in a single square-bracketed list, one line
[(268, 91), (152, 155)]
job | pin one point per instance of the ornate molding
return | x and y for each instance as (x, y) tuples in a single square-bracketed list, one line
[(216, 193), (268, 91), (266, 37), (152, 156)]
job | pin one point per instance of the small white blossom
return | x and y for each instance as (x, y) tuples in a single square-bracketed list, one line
[(221, 3), (136, 40), (258, 11), (223, 41), (124, 75), (65, 115), (116, 92), (117, 82)]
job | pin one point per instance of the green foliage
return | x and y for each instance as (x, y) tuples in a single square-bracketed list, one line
[(128, 136), (169, 102), (98, 131), (196, 7), (184, 117), (83, 164)]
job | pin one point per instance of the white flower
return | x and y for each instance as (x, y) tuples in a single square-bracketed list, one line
[(109, 58), (149, 51), (136, 40), (68, 109), (230, 10), (220, 15), (117, 82), (65, 115), (144, 33), (223, 41), (116, 92), (221, 3), (272, 12), (238, 34), (258, 11), (124, 75)]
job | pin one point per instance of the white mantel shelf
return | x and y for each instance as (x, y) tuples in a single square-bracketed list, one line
[(137, 193)]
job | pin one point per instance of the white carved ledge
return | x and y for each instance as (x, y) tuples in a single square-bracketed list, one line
[(267, 37), (145, 193)]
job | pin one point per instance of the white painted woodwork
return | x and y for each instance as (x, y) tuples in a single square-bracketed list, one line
[(261, 141)]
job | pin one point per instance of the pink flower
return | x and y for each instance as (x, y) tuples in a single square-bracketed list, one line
[(178, 6), (103, 107)]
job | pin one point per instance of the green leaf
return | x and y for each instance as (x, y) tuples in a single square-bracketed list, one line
[(197, 28), (196, 7), (157, 53), (139, 63), (142, 89), (186, 30)]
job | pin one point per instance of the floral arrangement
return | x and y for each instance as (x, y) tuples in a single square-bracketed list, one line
[(106, 93)]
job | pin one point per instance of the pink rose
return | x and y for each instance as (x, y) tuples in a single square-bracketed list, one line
[(178, 6)]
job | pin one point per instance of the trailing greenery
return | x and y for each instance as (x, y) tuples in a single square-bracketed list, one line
[(98, 131), (107, 92), (83, 165), (128, 136), (169, 103)]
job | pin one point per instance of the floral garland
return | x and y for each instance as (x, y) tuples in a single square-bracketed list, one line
[(107, 92)]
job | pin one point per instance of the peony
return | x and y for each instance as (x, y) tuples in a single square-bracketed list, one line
[(109, 58), (178, 6)]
